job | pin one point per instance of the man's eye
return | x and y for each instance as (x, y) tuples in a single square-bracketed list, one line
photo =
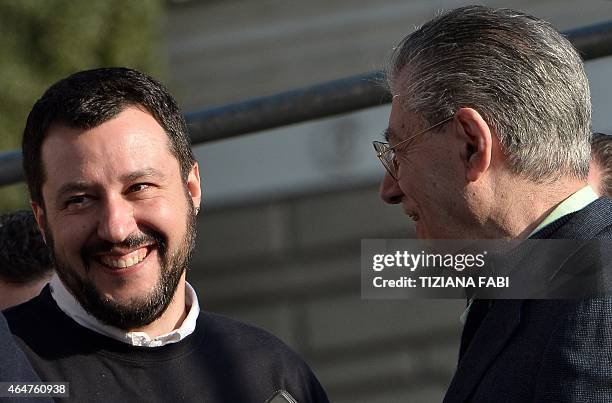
[(139, 187), (76, 201)]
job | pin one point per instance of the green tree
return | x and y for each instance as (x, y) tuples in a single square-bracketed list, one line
[(42, 41)]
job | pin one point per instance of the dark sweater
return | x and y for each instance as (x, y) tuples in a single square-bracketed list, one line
[(222, 361)]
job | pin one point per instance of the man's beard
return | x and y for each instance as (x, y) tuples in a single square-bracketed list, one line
[(141, 310)]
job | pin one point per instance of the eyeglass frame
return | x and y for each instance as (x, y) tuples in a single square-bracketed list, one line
[(387, 147)]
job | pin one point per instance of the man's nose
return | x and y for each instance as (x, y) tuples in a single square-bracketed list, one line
[(390, 191), (116, 221)]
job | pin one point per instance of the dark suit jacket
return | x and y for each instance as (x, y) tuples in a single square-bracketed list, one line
[(541, 350), (14, 366)]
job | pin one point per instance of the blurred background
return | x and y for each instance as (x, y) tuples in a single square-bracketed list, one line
[(284, 210)]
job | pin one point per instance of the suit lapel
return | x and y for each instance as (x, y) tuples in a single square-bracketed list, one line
[(488, 341)]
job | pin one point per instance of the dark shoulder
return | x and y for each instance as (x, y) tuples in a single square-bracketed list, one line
[(36, 310), (587, 321), (597, 311), (575, 360), (249, 346), (219, 328), (241, 348), (592, 222), (39, 323), (15, 366), (572, 309)]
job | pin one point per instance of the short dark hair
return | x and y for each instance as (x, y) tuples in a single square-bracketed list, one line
[(89, 98), (24, 256), (601, 152), (523, 77)]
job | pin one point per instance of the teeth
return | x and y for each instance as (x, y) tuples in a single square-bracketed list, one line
[(126, 261)]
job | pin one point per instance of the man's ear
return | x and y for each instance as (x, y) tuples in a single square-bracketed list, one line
[(193, 186), (39, 215), (477, 141)]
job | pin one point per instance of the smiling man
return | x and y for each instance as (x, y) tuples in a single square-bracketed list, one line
[(489, 138), (116, 190)]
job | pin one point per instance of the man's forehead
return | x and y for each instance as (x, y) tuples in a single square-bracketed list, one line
[(398, 122), (132, 126), (131, 142)]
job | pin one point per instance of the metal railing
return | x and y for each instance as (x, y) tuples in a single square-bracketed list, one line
[(314, 102)]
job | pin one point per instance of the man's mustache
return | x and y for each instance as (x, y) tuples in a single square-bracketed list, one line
[(133, 241)]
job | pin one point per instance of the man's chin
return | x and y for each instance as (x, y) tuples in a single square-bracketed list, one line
[(125, 311), (124, 293), (122, 303)]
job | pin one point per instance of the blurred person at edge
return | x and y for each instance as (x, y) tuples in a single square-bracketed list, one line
[(488, 137), (25, 260), (15, 368), (600, 168), (25, 268), (116, 190)]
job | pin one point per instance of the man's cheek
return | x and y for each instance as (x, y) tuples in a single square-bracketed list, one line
[(168, 216)]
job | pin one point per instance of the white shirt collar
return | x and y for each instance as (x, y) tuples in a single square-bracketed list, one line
[(71, 307)]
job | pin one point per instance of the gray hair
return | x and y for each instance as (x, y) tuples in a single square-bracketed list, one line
[(524, 78)]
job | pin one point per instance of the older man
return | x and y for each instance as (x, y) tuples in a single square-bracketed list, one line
[(488, 137), (116, 190)]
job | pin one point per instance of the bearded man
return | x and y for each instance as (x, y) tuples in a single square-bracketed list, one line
[(115, 190)]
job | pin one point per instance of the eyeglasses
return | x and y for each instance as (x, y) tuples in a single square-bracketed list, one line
[(386, 152)]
